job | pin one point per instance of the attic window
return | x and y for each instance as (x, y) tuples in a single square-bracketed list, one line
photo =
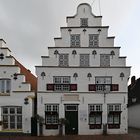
[(84, 22)]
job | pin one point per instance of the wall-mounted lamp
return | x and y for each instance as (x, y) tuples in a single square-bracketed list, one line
[(15, 76), (1, 56), (99, 30), (26, 101)]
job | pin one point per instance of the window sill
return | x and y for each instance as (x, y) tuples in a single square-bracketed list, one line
[(51, 126), (4, 94), (94, 126)]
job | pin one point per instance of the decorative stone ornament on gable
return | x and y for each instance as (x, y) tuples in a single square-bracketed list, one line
[(75, 75), (94, 53), (43, 75), (89, 76), (112, 53), (56, 53), (122, 75)]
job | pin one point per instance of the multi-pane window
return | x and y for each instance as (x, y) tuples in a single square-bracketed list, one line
[(84, 60), (95, 116), (114, 115), (5, 85), (84, 22), (63, 59), (105, 60), (51, 116), (103, 83), (61, 83), (12, 117), (93, 40), (75, 40)]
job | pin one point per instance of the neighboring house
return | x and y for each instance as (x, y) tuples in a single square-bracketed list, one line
[(83, 79), (17, 93), (134, 103)]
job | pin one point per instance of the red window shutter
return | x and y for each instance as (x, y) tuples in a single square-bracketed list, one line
[(50, 86), (73, 87), (92, 87), (115, 87)]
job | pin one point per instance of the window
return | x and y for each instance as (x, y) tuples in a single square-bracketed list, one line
[(5, 85), (114, 116), (63, 60), (84, 60), (62, 83), (84, 22), (51, 116), (105, 60), (75, 40), (95, 116), (12, 117), (103, 83), (93, 40)]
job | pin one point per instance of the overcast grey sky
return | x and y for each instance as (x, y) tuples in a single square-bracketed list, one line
[(29, 26)]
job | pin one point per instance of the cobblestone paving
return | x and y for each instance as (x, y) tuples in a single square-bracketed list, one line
[(134, 134)]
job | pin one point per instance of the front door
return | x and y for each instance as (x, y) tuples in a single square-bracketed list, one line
[(71, 114)]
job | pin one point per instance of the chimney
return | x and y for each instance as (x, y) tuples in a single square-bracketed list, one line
[(133, 81), (2, 43)]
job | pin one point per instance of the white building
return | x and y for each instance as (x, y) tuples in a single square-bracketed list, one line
[(16, 95), (83, 79)]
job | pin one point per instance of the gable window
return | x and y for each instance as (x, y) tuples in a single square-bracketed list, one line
[(61, 83), (84, 22), (12, 117), (63, 59), (75, 40), (105, 60), (93, 40), (95, 116), (103, 83), (5, 85), (114, 115), (84, 60), (51, 116)]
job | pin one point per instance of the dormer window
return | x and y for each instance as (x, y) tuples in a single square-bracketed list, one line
[(84, 22)]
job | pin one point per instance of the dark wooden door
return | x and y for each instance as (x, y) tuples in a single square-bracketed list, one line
[(71, 115)]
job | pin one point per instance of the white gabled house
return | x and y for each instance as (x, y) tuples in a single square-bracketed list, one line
[(17, 92), (83, 79)]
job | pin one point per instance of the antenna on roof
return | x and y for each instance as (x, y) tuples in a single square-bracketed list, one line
[(100, 7), (92, 2)]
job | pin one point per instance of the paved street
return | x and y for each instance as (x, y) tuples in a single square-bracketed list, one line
[(134, 134)]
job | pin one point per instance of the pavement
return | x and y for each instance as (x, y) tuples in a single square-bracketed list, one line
[(134, 134)]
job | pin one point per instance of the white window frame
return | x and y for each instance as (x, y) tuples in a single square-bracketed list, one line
[(5, 86), (84, 60), (75, 40), (93, 40), (16, 115), (51, 119), (84, 22), (105, 60), (62, 83), (64, 60)]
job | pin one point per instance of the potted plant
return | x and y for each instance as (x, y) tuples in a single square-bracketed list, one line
[(62, 122)]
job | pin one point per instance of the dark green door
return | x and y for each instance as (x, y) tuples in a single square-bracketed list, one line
[(71, 114)]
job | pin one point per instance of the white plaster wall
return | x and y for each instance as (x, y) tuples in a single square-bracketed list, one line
[(84, 100), (82, 81), (74, 60), (84, 37), (134, 116), (84, 11)]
